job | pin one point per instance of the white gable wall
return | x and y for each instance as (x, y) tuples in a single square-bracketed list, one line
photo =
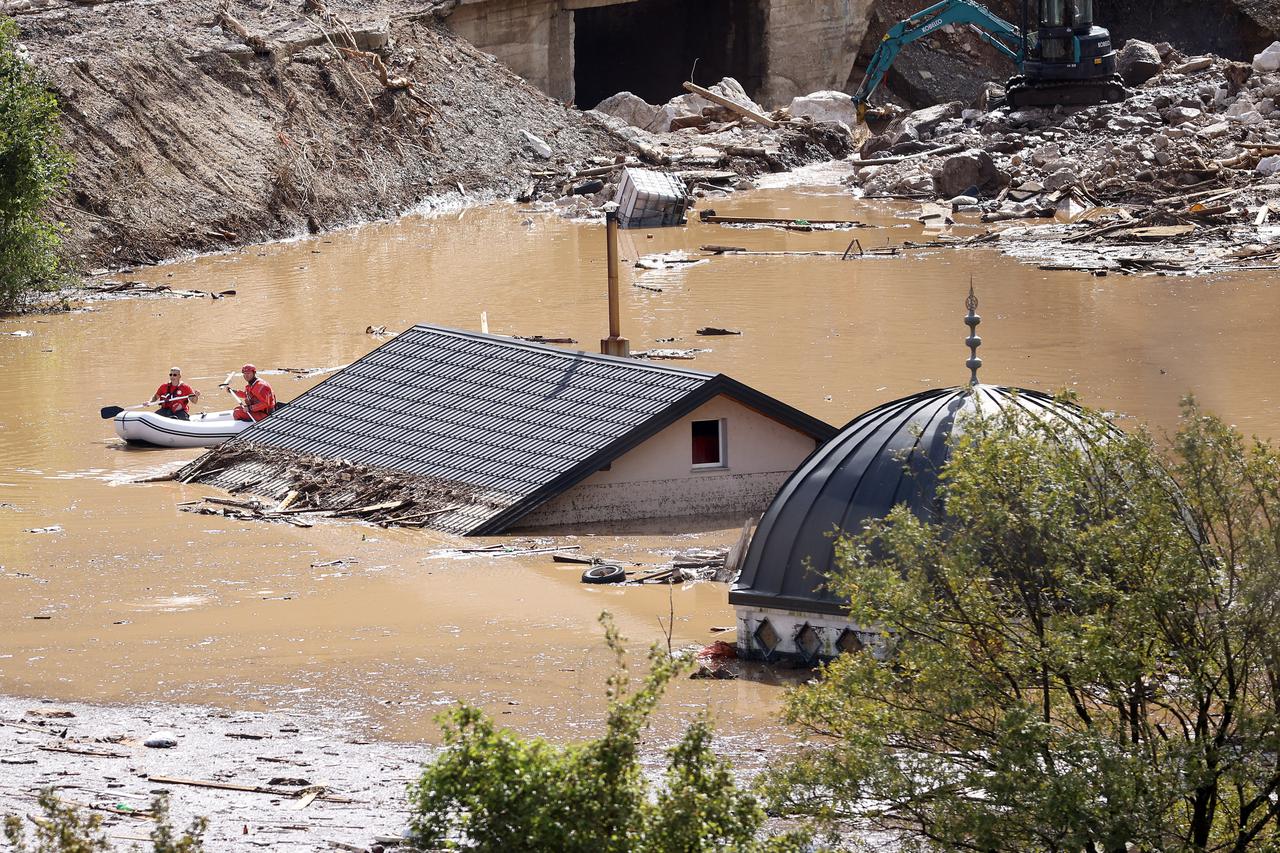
[(657, 479)]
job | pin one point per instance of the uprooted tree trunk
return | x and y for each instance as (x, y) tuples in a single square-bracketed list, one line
[(379, 68), (390, 82)]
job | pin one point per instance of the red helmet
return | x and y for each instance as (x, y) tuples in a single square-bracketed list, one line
[(248, 368)]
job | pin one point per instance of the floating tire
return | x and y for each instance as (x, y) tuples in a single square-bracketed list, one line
[(604, 574)]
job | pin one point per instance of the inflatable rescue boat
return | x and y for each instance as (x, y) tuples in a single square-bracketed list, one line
[(207, 429)]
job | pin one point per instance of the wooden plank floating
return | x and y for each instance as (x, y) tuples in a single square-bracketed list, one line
[(711, 217)]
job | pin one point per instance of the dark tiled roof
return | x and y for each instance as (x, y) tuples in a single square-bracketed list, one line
[(517, 422)]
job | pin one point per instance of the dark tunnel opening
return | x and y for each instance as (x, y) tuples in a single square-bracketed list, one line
[(649, 47)]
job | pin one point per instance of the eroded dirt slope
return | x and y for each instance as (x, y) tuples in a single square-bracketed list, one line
[(186, 138)]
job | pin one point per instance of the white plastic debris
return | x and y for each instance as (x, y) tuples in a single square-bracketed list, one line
[(1269, 165), (161, 740), (53, 528)]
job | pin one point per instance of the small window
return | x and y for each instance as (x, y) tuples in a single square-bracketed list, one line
[(708, 443)]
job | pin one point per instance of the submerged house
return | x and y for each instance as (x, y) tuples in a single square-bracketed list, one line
[(519, 434), (888, 456)]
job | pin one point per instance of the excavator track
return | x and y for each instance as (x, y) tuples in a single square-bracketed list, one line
[(1021, 92)]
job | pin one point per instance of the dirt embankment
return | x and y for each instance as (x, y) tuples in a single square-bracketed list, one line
[(189, 137)]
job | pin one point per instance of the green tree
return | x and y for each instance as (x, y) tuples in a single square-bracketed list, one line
[(1082, 653), (33, 169), (492, 790)]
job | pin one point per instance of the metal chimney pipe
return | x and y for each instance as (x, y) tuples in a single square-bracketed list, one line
[(615, 344)]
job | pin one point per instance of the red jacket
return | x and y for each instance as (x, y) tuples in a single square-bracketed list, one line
[(166, 392), (260, 400)]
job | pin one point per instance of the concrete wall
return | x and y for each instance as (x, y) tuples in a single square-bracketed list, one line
[(787, 624), (534, 38), (658, 480), (810, 44)]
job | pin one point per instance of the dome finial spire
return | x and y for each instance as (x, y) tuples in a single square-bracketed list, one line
[(973, 341)]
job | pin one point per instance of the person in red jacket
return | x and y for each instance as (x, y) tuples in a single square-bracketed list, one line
[(258, 400), (175, 396)]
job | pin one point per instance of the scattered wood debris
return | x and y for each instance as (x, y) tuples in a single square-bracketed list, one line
[(297, 489), (132, 287), (693, 565), (668, 260), (540, 339), (669, 354), (788, 223)]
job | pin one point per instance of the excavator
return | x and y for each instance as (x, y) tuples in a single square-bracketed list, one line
[(1064, 59)]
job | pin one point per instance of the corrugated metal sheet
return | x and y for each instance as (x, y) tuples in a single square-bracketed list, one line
[(504, 417)]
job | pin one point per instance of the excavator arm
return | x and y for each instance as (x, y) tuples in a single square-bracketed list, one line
[(1001, 34)]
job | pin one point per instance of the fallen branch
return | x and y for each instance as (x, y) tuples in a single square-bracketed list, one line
[(229, 24), (379, 68), (74, 751)]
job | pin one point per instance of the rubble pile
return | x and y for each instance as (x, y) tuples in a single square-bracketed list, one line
[(1190, 156), (715, 148)]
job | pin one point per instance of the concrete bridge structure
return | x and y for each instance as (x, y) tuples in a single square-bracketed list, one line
[(582, 51)]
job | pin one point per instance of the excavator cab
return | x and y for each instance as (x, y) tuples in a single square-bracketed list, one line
[(1067, 59)]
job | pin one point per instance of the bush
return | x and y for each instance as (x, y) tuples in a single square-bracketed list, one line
[(33, 169), (1081, 653), (65, 830), (492, 790)]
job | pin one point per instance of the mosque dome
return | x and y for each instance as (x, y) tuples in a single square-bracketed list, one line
[(888, 456)]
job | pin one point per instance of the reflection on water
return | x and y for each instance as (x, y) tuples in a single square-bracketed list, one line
[(147, 602)]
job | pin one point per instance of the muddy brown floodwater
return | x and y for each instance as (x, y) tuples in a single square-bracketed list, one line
[(124, 598)]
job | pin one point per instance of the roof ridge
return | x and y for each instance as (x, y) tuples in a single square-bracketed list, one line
[(534, 345)]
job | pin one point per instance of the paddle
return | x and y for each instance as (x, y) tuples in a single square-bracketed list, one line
[(109, 412)]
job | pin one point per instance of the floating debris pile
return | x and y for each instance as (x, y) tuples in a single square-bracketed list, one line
[(294, 488)]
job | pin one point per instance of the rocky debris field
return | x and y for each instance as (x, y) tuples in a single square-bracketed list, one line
[(715, 148), (276, 781), (1180, 177)]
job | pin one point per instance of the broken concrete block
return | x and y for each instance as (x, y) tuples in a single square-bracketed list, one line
[(1269, 59), (1247, 116), (535, 144), (1138, 61), (826, 105), (1269, 165), (1180, 115), (634, 110), (1060, 179), (959, 173), (920, 122)]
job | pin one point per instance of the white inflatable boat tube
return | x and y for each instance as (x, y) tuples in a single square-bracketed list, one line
[(207, 429)]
